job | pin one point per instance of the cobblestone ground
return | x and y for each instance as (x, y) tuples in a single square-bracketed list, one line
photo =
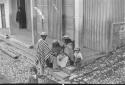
[(17, 71), (108, 69)]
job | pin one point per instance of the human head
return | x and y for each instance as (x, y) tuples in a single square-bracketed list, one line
[(33, 70), (66, 39), (55, 43), (43, 35), (77, 50)]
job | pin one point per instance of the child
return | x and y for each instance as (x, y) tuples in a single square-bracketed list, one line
[(78, 56), (34, 77)]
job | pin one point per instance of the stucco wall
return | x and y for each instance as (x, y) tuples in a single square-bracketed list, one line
[(6, 6)]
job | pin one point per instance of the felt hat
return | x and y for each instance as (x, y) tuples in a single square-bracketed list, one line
[(66, 37), (43, 34), (77, 49)]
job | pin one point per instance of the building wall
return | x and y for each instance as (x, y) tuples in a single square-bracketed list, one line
[(118, 17), (59, 17), (13, 11), (28, 14), (68, 17), (98, 15), (6, 6)]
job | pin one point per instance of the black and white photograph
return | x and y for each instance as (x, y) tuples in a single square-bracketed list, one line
[(62, 42)]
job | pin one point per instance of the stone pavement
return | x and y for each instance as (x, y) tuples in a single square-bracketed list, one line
[(14, 45), (3, 79), (16, 70), (108, 69)]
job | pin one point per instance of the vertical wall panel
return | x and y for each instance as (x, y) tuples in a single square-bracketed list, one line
[(55, 18), (52, 12), (95, 13), (68, 17), (98, 17)]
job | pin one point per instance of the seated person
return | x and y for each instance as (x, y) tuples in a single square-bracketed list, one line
[(68, 49), (78, 56), (56, 48)]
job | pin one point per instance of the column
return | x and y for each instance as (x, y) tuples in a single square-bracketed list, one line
[(33, 23), (78, 21), (8, 3)]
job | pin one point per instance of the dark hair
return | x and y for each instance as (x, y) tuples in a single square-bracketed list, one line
[(56, 48), (33, 69), (56, 44), (67, 41)]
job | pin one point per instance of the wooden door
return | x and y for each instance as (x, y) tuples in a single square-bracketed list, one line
[(21, 14)]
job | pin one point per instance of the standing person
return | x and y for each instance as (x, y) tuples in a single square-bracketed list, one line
[(68, 49), (42, 51)]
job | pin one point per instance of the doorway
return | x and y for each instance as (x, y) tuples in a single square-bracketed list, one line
[(21, 14), (2, 16), (20, 26)]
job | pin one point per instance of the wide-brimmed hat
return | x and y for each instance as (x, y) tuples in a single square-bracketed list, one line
[(66, 37), (43, 34), (77, 49)]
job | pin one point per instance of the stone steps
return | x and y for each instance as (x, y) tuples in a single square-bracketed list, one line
[(9, 52), (13, 50)]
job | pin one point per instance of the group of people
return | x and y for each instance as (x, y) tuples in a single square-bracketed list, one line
[(60, 55)]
